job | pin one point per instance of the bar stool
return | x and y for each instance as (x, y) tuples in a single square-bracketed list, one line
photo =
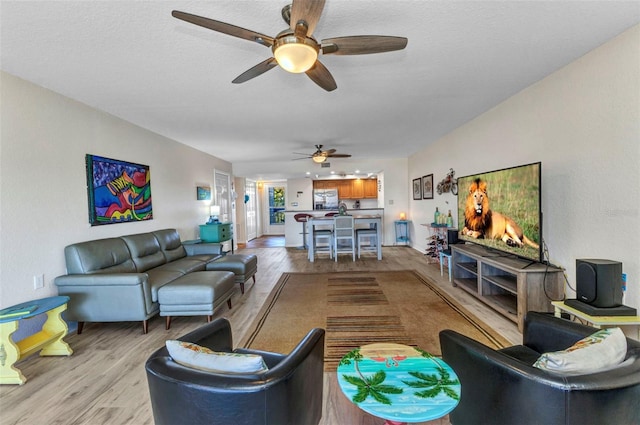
[(303, 218), (323, 241), (343, 231), (369, 235)]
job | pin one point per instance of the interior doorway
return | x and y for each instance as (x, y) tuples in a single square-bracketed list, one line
[(274, 195), (251, 210), (222, 198)]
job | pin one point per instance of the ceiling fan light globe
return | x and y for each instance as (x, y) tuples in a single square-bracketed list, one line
[(295, 55), (319, 159)]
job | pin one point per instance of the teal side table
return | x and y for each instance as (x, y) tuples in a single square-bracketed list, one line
[(402, 232), (217, 233)]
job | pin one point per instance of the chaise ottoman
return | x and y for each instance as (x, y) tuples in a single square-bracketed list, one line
[(196, 294), (243, 266)]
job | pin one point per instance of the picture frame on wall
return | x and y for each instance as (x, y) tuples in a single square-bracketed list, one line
[(427, 186), (203, 193), (417, 188), (118, 191)]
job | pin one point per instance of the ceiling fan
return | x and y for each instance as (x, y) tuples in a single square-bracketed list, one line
[(294, 48), (320, 156)]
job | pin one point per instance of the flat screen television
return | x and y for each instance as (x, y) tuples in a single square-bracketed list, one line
[(501, 210)]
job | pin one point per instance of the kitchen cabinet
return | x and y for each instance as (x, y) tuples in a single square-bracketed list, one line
[(357, 189), (351, 188), (325, 184), (344, 189), (371, 188)]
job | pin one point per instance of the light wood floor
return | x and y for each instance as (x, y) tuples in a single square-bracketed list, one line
[(104, 381)]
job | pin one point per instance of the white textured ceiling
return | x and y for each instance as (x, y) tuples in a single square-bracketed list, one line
[(133, 60)]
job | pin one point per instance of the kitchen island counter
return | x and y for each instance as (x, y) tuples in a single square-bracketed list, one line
[(293, 229), (350, 211)]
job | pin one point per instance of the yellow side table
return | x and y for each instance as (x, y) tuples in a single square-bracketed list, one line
[(598, 321), (48, 340)]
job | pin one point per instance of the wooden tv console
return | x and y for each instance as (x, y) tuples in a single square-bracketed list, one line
[(510, 285)]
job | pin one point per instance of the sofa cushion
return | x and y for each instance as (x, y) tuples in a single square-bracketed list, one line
[(243, 265), (184, 265), (206, 258), (170, 244), (195, 356), (145, 251), (600, 351), (159, 277), (99, 256)]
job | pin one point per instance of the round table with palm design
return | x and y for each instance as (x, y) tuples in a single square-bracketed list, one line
[(398, 383)]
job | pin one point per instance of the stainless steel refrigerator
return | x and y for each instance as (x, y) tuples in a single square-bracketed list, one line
[(325, 199)]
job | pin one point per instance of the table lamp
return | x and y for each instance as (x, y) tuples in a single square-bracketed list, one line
[(215, 212)]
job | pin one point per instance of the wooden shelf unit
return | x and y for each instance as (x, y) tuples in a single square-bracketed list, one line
[(510, 285)]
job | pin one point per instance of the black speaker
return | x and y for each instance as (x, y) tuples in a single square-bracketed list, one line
[(452, 236), (599, 282)]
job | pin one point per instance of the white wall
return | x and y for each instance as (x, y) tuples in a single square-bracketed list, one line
[(299, 191), (393, 197), (43, 196), (583, 123)]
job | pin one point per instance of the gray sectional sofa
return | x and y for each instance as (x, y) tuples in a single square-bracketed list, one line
[(118, 279)]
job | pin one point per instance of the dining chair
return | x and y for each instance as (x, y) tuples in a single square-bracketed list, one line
[(343, 236)]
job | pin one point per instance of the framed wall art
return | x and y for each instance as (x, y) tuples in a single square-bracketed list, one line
[(118, 191), (203, 193), (417, 188), (427, 186)]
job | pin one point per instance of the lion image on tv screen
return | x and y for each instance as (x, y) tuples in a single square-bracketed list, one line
[(481, 222)]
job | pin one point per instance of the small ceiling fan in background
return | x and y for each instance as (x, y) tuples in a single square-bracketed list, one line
[(294, 48), (320, 156)]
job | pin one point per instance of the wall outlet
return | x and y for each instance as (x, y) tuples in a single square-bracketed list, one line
[(38, 281)]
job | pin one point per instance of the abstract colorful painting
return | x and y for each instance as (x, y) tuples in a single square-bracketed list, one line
[(119, 191)]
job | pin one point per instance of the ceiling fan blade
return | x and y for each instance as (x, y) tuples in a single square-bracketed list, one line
[(224, 28), (322, 77), (329, 151), (362, 44), (259, 69), (308, 11), (339, 155)]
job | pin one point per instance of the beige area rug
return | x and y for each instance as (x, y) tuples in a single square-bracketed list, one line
[(359, 308)]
